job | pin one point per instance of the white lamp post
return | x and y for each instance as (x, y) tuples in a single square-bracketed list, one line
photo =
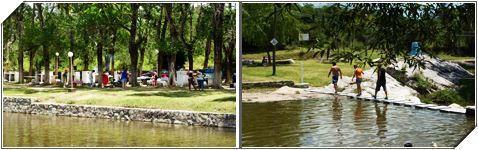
[(70, 54)]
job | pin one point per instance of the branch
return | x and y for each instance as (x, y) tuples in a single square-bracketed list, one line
[(124, 27)]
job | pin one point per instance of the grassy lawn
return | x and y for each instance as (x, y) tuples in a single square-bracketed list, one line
[(444, 56), (141, 97), (315, 73)]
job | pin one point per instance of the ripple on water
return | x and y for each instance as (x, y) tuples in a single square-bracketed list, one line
[(343, 122)]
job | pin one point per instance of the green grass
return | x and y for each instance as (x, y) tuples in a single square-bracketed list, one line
[(294, 54), (444, 56), (141, 97), (315, 73)]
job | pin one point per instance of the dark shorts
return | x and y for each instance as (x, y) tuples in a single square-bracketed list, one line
[(358, 80), (380, 84), (124, 80), (335, 79)]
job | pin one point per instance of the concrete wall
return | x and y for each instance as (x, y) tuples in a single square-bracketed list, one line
[(25, 105)]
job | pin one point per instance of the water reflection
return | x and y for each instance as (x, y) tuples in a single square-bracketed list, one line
[(381, 120), (338, 121), (21, 130)]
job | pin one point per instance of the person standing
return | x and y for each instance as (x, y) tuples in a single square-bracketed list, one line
[(65, 78), (92, 82), (381, 81), (154, 79), (191, 80), (124, 78), (105, 80), (358, 75), (335, 70), (200, 79)]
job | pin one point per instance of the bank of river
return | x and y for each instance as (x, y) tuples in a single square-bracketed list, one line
[(26, 130), (28, 106)]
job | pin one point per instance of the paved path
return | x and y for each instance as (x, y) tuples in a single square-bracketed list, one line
[(402, 102)]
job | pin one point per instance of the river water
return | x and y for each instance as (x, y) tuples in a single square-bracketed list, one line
[(342, 122), (20, 130)]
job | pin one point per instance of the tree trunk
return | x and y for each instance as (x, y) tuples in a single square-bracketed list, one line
[(133, 50), (20, 27), (99, 58), (218, 42), (141, 60), (269, 58), (31, 50), (230, 60), (158, 37), (86, 63), (207, 51), (72, 43), (190, 58), (162, 39), (46, 56), (174, 38), (30, 58)]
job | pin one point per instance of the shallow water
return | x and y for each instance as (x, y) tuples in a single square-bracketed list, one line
[(55, 131), (342, 122)]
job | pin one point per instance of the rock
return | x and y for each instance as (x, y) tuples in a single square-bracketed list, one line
[(456, 106), (24, 105), (441, 73)]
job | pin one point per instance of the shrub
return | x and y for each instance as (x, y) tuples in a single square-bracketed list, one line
[(444, 97), (423, 86)]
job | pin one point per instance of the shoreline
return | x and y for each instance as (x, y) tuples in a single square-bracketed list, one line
[(28, 105), (290, 94)]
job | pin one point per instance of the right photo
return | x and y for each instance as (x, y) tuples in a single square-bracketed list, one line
[(357, 74)]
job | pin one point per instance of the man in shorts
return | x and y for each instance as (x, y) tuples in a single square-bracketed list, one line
[(381, 80), (358, 75), (335, 70)]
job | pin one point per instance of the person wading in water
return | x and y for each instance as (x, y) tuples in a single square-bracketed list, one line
[(335, 70), (381, 80), (358, 74)]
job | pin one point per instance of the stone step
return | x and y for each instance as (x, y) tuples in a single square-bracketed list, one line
[(425, 105), (439, 107), (410, 104), (469, 110), (454, 110)]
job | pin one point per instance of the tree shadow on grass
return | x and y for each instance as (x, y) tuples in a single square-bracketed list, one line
[(226, 99), (33, 91), (170, 94)]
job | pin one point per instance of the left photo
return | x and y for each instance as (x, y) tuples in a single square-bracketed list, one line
[(119, 75)]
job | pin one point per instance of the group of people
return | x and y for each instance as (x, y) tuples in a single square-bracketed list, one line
[(358, 75), (200, 78), (105, 78)]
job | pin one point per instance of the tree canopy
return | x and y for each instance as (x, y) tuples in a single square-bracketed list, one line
[(351, 32), (139, 36)]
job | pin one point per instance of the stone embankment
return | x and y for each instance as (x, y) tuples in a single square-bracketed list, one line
[(28, 106)]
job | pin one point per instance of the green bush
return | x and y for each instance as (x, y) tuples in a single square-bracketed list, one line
[(444, 97), (423, 86)]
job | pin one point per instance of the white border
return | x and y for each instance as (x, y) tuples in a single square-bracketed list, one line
[(8, 6), (6, 10)]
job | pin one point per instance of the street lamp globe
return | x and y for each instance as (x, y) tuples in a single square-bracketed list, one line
[(57, 54), (70, 54), (157, 51)]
